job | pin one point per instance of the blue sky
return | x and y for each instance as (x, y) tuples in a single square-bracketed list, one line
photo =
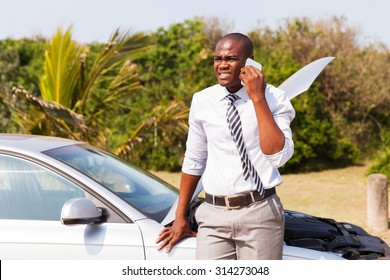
[(95, 20)]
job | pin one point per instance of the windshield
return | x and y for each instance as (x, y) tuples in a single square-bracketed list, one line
[(142, 190)]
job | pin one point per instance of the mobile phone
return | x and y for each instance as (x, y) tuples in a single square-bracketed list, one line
[(253, 63)]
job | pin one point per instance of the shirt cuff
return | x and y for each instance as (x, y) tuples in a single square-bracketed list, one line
[(193, 167), (280, 158)]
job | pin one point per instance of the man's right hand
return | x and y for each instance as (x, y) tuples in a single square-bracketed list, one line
[(169, 236)]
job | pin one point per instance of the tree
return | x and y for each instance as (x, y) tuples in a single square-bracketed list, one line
[(158, 142), (20, 64), (72, 102), (179, 65), (136, 103), (354, 87), (83, 99), (382, 157), (319, 141)]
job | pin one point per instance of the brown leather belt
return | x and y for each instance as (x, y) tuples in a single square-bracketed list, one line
[(236, 201)]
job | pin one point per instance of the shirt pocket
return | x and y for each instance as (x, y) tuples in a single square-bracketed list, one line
[(250, 128)]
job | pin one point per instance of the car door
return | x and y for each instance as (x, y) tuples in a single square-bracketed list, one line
[(31, 199)]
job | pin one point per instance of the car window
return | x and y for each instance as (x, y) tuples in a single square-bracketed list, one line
[(137, 187), (32, 192)]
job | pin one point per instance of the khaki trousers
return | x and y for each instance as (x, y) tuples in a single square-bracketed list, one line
[(253, 232)]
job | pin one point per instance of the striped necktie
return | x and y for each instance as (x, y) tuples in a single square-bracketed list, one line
[(234, 123)]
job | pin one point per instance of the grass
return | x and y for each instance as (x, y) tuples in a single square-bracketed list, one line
[(339, 194)]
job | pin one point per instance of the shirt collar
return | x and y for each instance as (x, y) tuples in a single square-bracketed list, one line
[(240, 93)]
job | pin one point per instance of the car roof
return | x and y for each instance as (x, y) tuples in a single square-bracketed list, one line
[(32, 143)]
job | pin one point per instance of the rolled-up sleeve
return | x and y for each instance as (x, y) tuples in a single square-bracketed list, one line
[(283, 113), (283, 156), (195, 157)]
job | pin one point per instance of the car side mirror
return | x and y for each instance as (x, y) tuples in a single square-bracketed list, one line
[(80, 211)]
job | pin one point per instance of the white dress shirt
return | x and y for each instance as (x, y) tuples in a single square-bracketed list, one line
[(211, 151)]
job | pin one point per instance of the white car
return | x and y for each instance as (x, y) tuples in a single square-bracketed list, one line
[(63, 199)]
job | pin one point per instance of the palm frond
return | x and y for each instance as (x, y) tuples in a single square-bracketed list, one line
[(171, 119), (61, 69), (122, 47), (53, 110), (111, 100), (125, 81), (16, 114)]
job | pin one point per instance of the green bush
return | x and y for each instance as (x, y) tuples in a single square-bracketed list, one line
[(318, 145), (381, 163)]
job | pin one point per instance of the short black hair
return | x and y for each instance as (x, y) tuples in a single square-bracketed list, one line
[(243, 39)]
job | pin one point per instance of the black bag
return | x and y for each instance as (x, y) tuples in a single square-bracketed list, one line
[(191, 213)]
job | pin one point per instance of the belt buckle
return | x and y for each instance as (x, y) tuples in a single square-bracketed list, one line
[(227, 202)]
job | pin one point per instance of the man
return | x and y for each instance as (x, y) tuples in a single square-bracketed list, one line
[(237, 158)]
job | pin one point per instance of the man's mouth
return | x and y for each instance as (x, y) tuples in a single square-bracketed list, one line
[(224, 75)]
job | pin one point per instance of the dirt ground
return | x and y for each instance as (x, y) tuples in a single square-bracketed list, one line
[(339, 194)]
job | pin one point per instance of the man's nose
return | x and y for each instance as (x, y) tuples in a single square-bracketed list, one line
[(223, 64)]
